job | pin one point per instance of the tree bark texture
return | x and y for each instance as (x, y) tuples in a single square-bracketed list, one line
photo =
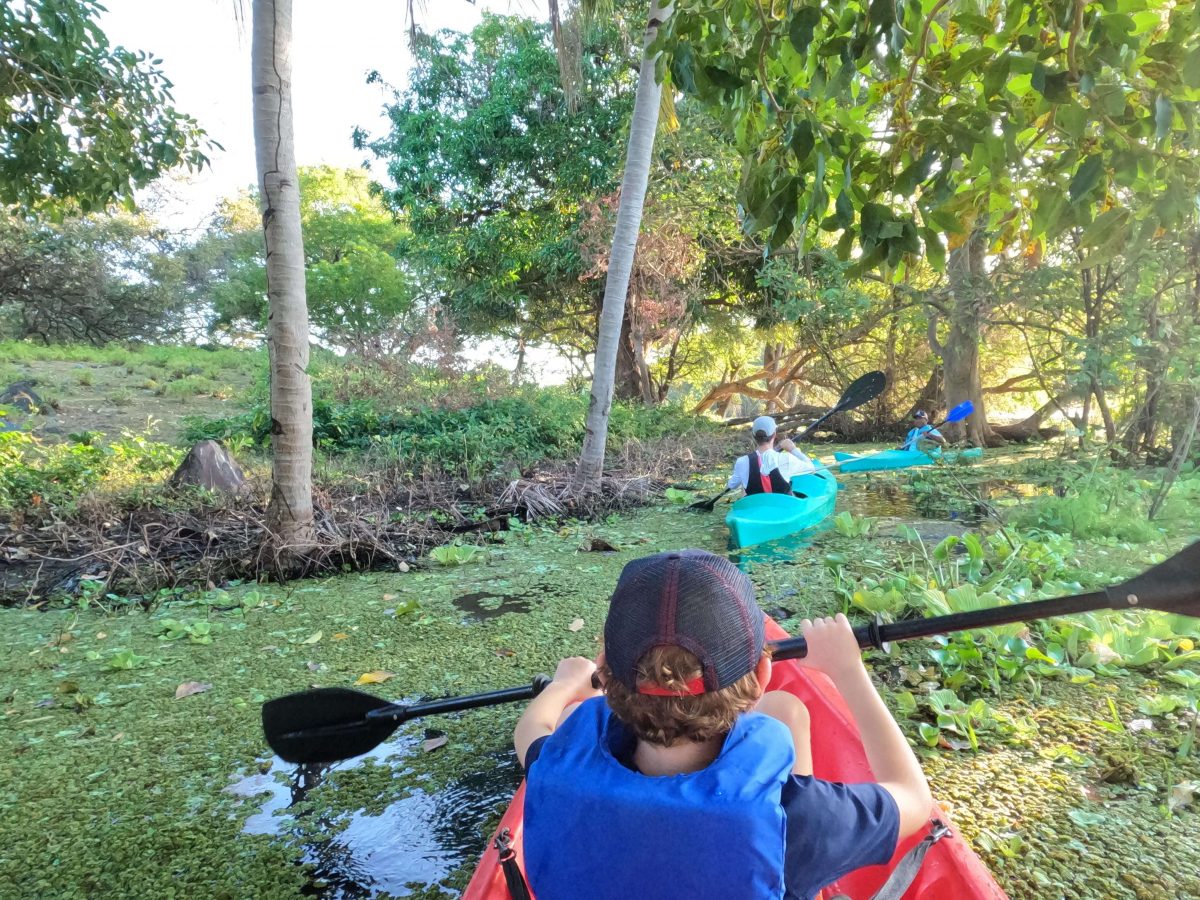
[(290, 515), (642, 130), (970, 300)]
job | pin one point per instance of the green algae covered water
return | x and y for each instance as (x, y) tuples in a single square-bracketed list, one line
[(117, 779)]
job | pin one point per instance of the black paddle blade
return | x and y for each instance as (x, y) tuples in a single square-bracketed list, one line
[(1172, 586), (862, 390), (708, 505), (324, 725)]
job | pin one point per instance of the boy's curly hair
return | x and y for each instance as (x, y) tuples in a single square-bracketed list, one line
[(668, 720)]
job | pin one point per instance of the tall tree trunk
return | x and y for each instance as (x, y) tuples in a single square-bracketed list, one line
[(1140, 435), (290, 515), (519, 369), (1110, 425), (627, 380), (970, 298), (642, 128)]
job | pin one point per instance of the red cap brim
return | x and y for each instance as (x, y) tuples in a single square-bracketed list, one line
[(693, 687)]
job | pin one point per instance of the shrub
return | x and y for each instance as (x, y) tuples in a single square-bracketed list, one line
[(487, 438), (34, 474), (192, 386)]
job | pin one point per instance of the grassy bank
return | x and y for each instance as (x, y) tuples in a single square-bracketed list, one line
[(407, 457)]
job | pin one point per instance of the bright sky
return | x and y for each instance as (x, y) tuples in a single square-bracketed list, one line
[(206, 53)]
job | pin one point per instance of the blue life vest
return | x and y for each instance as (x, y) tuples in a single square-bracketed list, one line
[(910, 441), (597, 830)]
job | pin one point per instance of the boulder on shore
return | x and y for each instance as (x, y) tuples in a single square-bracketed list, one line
[(209, 465), (21, 395)]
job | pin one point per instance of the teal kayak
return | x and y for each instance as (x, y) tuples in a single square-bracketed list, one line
[(901, 459), (765, 517)]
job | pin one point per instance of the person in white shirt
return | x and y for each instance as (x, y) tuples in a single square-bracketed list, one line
[(768, 470)]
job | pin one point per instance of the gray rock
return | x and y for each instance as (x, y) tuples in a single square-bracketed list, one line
[(209, 465), (22, 395)]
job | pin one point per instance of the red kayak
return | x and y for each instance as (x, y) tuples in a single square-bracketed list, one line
[(950, 871)]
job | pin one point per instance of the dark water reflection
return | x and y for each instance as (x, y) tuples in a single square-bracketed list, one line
[(416, 842), (923, 500), (480, 606)]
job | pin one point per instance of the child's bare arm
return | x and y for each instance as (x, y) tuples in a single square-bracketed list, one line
[(833, 649), (791, 711), (572, 683)]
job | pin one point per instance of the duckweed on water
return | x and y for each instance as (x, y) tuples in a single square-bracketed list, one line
[(124, 791)]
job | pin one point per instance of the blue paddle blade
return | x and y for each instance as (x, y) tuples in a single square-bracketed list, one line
[(960, 412)]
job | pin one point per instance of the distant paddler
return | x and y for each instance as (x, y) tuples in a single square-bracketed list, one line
[(922, 431)]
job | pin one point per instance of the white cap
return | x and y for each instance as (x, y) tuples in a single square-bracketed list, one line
[(765, 424)]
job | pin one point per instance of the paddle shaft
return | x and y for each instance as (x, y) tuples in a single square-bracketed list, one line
[(878, 636), (402, 712), (873, 635), (850, 400)]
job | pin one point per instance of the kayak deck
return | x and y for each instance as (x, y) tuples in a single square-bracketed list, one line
[(950, 871), (765, 517), (901, 459)]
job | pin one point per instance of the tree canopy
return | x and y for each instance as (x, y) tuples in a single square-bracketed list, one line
[(895, 124), (491, 166), (90, 280), (82, 123), (358, 293)]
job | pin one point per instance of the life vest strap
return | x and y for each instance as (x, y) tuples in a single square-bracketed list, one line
[(514, 878), (906, 870)]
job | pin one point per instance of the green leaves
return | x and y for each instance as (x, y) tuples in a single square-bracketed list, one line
[(1014, 103), (1054, 86), (126, 659), (1086, 177), (83, 124), (802, 140), (800, 31), (454, 554), (1106, 235), (1191, 69)]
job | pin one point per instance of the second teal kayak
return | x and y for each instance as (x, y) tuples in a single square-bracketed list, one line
[(764, 517), (901, 459)]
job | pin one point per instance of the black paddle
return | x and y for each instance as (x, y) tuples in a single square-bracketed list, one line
[(325, 725), (861, 390)]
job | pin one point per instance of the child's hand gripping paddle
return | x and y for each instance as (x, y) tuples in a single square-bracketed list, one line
[(861, 390), (325, 725)]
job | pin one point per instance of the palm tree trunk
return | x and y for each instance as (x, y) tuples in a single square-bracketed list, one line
[(642, 129), (290, 515)]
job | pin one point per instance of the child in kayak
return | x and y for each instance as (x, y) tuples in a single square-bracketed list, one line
[(687, 781), (768, 470), (922, 431)]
